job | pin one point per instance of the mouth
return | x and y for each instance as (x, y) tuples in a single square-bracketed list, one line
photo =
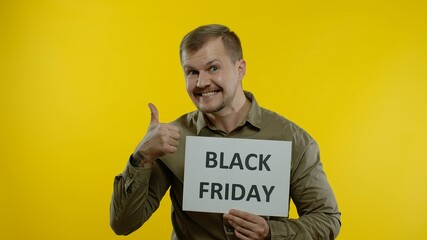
[(207, 94)]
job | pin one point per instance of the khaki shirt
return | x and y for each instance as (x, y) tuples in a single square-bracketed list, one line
[(138, 191)]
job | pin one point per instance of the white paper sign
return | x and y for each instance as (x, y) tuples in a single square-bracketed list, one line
[(245, 174)]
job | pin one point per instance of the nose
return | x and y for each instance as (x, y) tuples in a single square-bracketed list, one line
[(203, 80)]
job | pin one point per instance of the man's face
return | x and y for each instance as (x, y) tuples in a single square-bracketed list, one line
[(212, 78)]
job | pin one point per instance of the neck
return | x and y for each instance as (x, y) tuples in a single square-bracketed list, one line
[(230, 120)]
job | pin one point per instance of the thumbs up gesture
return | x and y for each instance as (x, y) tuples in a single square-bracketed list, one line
[(160, 139)]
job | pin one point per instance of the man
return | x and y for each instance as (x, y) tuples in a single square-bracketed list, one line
[(212, 60)]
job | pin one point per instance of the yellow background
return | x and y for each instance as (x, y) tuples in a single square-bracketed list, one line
[(76, 77)]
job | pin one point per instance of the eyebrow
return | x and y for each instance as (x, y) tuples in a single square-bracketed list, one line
[(207, 64)]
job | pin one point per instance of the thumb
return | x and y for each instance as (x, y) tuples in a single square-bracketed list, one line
[(154, 114)]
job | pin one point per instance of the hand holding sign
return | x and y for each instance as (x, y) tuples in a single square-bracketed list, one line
[(160, 139), (247, 225)]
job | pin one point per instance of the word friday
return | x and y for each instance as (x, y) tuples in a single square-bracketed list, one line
[(234, 191)]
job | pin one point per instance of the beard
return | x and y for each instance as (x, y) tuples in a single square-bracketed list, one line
[(214, 108), (211, 109)]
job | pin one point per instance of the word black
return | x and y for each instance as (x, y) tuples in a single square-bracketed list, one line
[(251, 162)]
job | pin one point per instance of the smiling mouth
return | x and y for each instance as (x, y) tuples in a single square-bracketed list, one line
[(207, 94)]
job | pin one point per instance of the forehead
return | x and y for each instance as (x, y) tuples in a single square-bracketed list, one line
[(211, 50)]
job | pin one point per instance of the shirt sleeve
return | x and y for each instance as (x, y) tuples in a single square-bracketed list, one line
[(319, 217), (136, 195)]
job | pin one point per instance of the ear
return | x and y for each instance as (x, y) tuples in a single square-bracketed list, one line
[(241, 68)]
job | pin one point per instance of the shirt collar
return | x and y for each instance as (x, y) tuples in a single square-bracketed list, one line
[(253, 117)]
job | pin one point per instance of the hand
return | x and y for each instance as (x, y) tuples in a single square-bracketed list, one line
[(160, 139), (247, 225)]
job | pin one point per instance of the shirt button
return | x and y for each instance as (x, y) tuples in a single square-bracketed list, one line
[(229, 229)]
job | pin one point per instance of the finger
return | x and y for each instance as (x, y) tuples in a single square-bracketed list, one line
[(238, 221), (244, 215), (247, 223), (171, 149), (167, 131), (154, 114), (248, 231), (243, 234), (174, 135), (240, 232), (173, 127), (238, 213), (173, 142)]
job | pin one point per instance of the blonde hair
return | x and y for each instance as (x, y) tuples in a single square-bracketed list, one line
[(195, 40)]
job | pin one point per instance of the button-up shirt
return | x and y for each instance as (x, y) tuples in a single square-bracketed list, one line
[(138, 191)]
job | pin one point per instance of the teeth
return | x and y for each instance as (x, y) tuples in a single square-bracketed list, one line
[(206, 94)]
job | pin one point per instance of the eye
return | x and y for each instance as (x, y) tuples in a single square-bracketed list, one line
[(192, 72), (214, 68)]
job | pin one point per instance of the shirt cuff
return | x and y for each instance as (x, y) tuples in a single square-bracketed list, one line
[(278, 229), (137, 175)]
